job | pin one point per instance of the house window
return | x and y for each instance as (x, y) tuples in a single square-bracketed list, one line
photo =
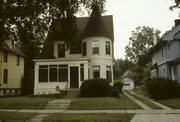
[(84, 49), (5, 76), (43, 73), (53, 73), (17, 60), (82, 72), (108, 73), (5, 57), (162, 53), (63, 73), (96, 71), (164, 72), (95, 47), (108, 48), (61, 50)]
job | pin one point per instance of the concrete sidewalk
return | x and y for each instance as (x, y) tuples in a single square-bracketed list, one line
[(156, 118), (137, 111)]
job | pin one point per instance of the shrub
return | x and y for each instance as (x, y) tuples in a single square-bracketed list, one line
[(161, 88), (117, 81), (95, 88)]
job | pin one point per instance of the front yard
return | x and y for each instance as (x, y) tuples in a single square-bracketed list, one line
[(23, 103), (90, 117), (103, 103), (173, 103), (16, 116)]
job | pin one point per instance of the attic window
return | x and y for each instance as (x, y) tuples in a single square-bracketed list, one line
[(95, 47), (61, 50)]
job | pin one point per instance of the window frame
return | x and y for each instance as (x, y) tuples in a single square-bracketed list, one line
[(84, 48), (5, 76), (63, 67), (95, 71), (51, 67), (82, 72), (108, 47), (60, 49), (95, 47), (109, 73), (43, 67)]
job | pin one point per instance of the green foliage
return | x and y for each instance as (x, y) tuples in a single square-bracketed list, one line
[(121, 66), (140, 43), (176, 6), (161, 88), (95, 88)]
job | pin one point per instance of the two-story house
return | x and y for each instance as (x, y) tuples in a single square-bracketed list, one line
[(91, 56), (11, 68), (166, 55)]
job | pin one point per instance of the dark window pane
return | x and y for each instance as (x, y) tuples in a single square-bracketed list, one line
[(82, 72), (108, 48), (53, 74), (108, 73), (61, 50), (43, 66), (63, 75), (95, 47), (96, 71), (43, 75), (84, 49), (5, 76)]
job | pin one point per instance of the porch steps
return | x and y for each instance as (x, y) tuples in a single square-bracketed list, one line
[(72, 93), (60, 104)]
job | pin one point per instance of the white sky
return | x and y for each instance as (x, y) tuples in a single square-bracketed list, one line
[(129, 14)]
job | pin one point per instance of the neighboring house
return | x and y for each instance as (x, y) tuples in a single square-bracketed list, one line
[(11, 68), (128, 83), (91, 55), (166, 55)]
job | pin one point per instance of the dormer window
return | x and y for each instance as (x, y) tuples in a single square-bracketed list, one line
[(61, 50), (95, 47)]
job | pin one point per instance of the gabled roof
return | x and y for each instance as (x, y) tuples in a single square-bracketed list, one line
[(17, 51), (170, 36)]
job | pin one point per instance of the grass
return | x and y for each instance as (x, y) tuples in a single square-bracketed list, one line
[(146, 102), (90, 117), (16, 116), (173, 103), (103, 103), (140, 92), (23, 103)]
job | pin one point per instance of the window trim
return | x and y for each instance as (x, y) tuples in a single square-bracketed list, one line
[(5, 78), (109, 47), (96, 70), (98, 47)]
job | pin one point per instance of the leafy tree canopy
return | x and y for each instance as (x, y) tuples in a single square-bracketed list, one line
[(140, 43)]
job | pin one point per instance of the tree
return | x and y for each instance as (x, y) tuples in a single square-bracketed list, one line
[(29, 21), (121, 66), (176, 6), (140, 43)]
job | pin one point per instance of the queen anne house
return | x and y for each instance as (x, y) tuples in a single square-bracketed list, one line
[(166, 55), (11, 68), (91, 56)]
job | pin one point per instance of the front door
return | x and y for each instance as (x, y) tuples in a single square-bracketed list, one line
[(74, 79)]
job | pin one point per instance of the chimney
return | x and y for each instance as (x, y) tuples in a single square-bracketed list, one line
[(177, 22)]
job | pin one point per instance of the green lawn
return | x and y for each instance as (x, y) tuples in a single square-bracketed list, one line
[(90, 117), (146, 102), (103, 103), (16, 116), (140, 92), (173, 103), (23, 103)]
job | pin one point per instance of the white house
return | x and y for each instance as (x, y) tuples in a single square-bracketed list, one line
[(91, 56), (166, 55), (128, 83)]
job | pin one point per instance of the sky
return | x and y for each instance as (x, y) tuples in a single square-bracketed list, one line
[(129, 14)]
